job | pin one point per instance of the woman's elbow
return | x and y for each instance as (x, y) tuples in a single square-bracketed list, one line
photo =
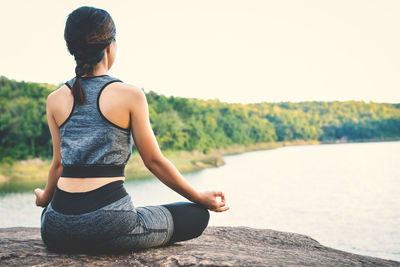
[(56, 164), (152, 162)]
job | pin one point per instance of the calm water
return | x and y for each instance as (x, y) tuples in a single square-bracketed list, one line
[(345, 196)]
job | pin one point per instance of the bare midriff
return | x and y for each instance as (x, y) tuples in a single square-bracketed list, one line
[(75, 185)]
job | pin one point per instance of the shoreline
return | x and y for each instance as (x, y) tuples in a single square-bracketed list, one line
[(26, 175)]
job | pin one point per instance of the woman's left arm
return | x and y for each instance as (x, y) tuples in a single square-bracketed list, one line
[(43, 197)]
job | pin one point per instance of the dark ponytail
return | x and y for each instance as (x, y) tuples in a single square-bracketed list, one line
[(88, 31)]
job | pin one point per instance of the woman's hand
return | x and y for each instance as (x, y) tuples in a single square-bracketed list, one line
[(210, 201), (42, 199)]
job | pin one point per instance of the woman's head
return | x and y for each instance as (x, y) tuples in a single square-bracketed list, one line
[(88, 31)]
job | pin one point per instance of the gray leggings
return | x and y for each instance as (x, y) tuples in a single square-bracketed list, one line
[(120, 227)]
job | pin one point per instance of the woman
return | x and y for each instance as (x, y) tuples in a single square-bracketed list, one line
[(93, 120)]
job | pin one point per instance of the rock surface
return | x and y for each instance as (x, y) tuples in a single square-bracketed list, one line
[(217, 246)]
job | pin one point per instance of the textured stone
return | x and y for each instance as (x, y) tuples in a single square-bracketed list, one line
[(217, 246)]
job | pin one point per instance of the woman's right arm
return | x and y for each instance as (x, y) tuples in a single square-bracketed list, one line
[(155, 161)]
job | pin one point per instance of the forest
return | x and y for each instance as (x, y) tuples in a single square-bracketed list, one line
[(196, 124)]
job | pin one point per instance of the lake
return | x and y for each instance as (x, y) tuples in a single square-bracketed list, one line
[(346, 196)]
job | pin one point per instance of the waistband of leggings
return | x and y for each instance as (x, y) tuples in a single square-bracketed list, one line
[(94, 170), (74, 203)]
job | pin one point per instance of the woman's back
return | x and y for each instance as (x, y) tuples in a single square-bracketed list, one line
[(91, 145), (95, 134)]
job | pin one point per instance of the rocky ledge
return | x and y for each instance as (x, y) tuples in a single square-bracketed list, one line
[(217, 246)]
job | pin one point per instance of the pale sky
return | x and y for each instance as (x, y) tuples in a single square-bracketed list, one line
[(235, 51)]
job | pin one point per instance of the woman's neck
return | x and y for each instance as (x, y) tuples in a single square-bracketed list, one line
[(100, 69)]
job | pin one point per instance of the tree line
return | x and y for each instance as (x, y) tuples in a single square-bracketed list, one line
[(188, 123)]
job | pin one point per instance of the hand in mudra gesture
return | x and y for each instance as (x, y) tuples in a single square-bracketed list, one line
[(211, 202), (42, 200)]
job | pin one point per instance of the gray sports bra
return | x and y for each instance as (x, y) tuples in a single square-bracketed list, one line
[(91, 145)]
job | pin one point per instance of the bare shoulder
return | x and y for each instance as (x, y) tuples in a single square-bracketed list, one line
[(128, 91), (58, 95)]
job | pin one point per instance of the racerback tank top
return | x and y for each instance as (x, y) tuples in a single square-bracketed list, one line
[(91, 145)]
